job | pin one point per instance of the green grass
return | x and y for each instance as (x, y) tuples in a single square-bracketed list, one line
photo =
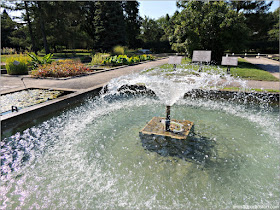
[(244, 70), (253, 89), (249, 71)]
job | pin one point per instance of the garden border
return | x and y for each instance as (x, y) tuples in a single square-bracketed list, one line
[(98, 71)]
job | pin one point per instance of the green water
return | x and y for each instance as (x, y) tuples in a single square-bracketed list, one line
[(91, 157)]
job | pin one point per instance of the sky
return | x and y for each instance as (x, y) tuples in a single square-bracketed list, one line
[(155, 9)]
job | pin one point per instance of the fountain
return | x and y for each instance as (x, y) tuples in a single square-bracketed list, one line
[(166, 136), (91, 156)]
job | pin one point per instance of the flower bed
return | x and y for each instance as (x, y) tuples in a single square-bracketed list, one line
[(61, 69), (125, 60)]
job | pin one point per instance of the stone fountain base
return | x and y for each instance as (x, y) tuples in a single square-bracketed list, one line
[(154, 137)]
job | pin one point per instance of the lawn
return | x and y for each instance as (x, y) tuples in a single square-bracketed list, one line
[(244, 70), (252, 89), (249, 71)]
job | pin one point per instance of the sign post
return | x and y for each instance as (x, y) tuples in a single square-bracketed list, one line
[(175, 60), (201, 56), (229, 61)]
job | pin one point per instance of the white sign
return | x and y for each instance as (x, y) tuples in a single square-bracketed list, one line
[(229, 61), (175, 60), (201, 56)]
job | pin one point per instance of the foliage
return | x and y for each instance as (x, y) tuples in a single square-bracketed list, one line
[(18, 64), (8, 26), (208, 26), (274, 32), (60, 69), (132, 23), (250, 6), (154, 34), (150, 31), (8, 51), (118, 50), (109, 25), (260, 23), (98, 58), (125, 60), (36, 60)]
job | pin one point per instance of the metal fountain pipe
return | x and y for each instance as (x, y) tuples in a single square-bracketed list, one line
[(167, 120)]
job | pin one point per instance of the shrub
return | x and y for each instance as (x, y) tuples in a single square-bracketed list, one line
[(8, 51), (64, 61), (60, 69), (118, 50), (125, 60), (98, 58), (36, 60), (18, 64)]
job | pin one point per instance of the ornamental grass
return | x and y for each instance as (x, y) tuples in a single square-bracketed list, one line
[(18, 64), (61, 69)]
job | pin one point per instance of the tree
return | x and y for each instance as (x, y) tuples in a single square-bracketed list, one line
[(259, 21), (274, 32), (132, 22), (26, 7), (249, 7), (23, 37), (64, 24), (150, 30), (8, 26), (209, 26), (109, 25), (41, 15)]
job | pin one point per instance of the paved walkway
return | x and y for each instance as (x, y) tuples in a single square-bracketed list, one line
[(84, 82), (9, 83), (266, 64)]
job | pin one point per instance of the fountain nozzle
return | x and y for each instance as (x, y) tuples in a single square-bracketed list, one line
[(167, 120)]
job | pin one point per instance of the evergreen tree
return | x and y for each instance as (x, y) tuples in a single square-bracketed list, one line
[(258, 20), (42, 18), (133, 22), (27, 12), (249, 7), (274, 31), (109, 25), (8, 26)]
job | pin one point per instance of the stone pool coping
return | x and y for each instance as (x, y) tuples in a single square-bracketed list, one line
[(10, 121)]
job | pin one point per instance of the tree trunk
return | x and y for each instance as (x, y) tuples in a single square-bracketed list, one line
[(42, 26), (34, 48)]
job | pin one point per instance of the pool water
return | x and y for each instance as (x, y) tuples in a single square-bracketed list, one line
[(92, 157)]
